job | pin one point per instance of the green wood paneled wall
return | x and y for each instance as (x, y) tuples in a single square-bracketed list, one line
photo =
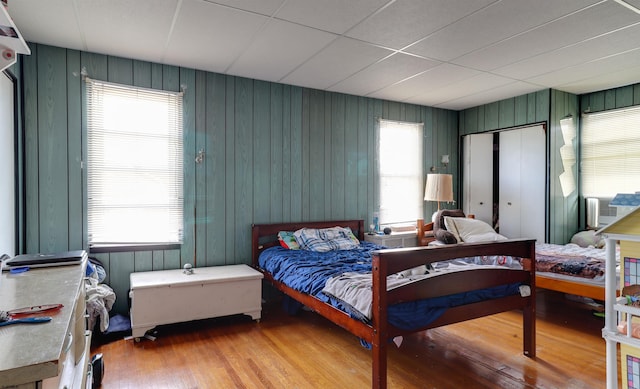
[(517, 111), (622, 97), (273, 153)]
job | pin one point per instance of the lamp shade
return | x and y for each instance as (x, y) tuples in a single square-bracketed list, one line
[(439, 187)]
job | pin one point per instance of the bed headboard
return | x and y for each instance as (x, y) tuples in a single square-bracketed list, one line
[(264, 236)]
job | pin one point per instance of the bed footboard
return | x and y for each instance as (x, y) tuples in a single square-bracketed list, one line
[(387, 262)]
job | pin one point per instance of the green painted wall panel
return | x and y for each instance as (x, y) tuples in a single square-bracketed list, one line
[(286, 149), (53, 190), (336, 188), (157, 261), (506, 116), (187, 250), (244, 152), (223, 177), (32, 208), (75, 146), (143, 260), (624, 96), (350, 163), (275, 161), (141, 74), (315, 178), (520, 110), (120, 266), (263, 176), (120, 70), (360, 195), (295, 167), (325, 212)]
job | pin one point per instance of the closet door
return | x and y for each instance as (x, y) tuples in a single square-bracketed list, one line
[(522, 183), (477, 176)]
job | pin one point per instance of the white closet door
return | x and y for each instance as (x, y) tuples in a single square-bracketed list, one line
[(522, 183), (477, 176)]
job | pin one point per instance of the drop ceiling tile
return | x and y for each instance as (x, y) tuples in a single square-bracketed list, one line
[(404, 22), (278, 49), (469, 86), (602, 46), (262, 7), (210, 37), (517, 88), (335, 16), (135, 29), (342, 58), (604, 81), (589, 70), (577, 27), (492, 24), (435, 78), (384, 73), (33, 20)]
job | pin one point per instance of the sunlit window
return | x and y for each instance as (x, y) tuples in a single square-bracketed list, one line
[(134, 165), (400, 171), (610, 153)]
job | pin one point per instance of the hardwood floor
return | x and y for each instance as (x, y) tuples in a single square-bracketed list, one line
[(307, 351)]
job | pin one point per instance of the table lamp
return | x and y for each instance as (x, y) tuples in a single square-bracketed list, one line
[(439, 188)]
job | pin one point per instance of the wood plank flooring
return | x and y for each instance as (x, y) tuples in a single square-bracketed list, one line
[(307, 351)]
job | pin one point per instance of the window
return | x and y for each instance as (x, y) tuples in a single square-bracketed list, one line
[(610, 153), (400, 171), (134, 165)]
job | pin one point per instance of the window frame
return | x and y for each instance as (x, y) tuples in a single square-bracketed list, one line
[(167, 171), (384, 213), (603, 131)]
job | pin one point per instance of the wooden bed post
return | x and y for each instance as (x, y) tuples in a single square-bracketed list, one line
[(380, 336), (529, 312)]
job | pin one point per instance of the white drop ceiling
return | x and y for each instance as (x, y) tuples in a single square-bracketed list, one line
[(452, 54)]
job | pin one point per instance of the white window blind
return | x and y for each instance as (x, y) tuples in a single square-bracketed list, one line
[(400, 171), (610, 153), (134, 165)]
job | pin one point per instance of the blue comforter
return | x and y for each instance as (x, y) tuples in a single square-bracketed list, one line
[(308, 271)]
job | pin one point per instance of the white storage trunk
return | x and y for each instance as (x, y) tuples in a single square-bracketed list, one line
[(171, 296)]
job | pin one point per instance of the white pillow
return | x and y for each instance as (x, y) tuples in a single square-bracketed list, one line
[(450, 225), (471, 230)]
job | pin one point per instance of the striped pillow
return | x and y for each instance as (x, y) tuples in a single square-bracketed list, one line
[(326, 239)]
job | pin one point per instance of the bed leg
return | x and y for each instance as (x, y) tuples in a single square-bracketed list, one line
[(529, 328), (379, 366)]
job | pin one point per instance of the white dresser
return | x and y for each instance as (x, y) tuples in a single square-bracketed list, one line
[(54, 354), (172, 296)]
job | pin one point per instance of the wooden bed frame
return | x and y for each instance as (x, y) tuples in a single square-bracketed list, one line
[(578, 288), (386, 262)]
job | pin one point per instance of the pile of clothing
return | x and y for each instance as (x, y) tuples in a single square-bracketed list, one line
[(100, 297)]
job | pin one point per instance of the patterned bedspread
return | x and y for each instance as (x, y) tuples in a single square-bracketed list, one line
[(570, 259)]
